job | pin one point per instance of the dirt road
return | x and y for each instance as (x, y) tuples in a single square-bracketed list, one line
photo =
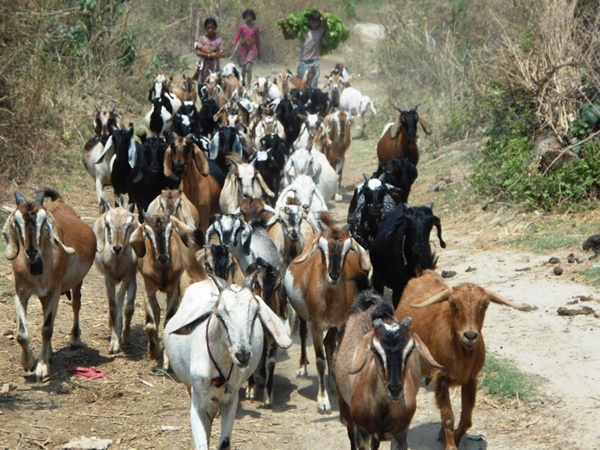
[(138, 408)]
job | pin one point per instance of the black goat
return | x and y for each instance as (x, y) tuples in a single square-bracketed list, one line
[(269, 161), (372, 200), (208, 125), (400, 172), (401, 249), (318, 102), (287, 114), (186, 121), (226, 140)]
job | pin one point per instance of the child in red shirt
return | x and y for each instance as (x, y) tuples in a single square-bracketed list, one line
[(248, 37)]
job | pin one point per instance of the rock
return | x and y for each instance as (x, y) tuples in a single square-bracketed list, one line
[(448, 273), (558, 270), (584, 310), (369, 34), (433, 188), (553, 260), (88, 444), (545, 155), (471, 269)]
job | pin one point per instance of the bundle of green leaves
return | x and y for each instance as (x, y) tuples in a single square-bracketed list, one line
[(336, 32)]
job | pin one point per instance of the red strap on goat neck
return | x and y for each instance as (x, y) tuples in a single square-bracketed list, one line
[(219, 381)]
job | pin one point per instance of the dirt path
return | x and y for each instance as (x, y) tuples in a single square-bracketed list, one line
[(133, 404)]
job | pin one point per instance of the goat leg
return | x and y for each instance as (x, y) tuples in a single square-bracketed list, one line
[(442, 398), (115, 317), (228, 411), (27, 360), (303, 331), (323, 404), (468, 394), (330, 341), (49, 308), (129, 308), (152, 311), (76, 306), (399, 442), (271, 360)]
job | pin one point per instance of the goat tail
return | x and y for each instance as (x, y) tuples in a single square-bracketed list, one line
[(50, 193)]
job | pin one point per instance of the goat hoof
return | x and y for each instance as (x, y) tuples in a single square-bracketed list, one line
[(338, 197), (324, 407), (114, 348), (41, 371), (302, 373), (27, 361)]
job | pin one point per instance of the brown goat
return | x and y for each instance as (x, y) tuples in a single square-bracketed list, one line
[(163, 245), (400, 139), (218, 260), (377, 373), (449, 321), (283, 80), (337, 142), (180, 206), (315, 283), (51, 251), (187, 91), (306, 81), (185, 160)]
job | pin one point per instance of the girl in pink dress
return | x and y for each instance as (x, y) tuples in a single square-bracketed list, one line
[(210, 49), (248, 37)]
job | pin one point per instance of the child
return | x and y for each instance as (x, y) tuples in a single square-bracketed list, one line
[(309, 46), (210, 49), (247, 37)]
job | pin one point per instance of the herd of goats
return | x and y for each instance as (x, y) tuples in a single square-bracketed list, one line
[(233, 227)]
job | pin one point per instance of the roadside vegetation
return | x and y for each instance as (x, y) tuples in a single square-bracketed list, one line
[(501, 379)]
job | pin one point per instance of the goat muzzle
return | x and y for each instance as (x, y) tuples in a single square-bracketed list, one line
[(469, 339), (243, 357), (117, 249), (163, 259), (394, 391)]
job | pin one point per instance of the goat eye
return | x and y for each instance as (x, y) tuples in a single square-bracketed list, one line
[(453, 306)]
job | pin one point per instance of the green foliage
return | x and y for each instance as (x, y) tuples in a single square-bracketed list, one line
[(592, 274), (501, 378), (336, 32), (127, 48), (504, 172), (559, 233), (350, 8)]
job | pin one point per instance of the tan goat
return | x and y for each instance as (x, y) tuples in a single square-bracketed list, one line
[(118, 263), (51, 251), (178, 204), (449, 321), (315, 283)]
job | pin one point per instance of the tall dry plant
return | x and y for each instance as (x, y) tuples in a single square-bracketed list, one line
[(554, 65)]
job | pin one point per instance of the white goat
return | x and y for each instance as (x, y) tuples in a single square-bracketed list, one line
[(118, 264), (305, 190), (214, 344), (243, 181), (314, 164), (353, 102), (265, 91)]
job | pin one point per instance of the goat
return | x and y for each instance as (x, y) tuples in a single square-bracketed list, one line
[(104, 122), (162, 86), (317, 102), (315, 283), (268, 285), (159, 119), (51, 251), (248, 241), (356, 104), (187, 91), (118, 263), (290, 229), (400, 172), (400, 139), (178, 204), (208, 124), (254, 210), (336, 85), (287, 114), (186, 162), (377, 373), (219, 261), (243, 181), (338, 140), (450, 321), (308, 194), (307, 80), (269, 160), (268, 124), (265, 91), (312, 125), (214, 345), (371, 201), (225, 141), (187, 121), (283, 80), (161, 244), (401, 248)]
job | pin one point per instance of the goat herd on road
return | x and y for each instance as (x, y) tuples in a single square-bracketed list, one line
[(233, 227)]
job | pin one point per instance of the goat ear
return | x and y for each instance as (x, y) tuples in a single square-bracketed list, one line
[(183, 231), (437, 298), (363, 257), (195, 319), (425, 125), (201, 161), (137, 241), (264, 186), (425, 353), (361, 353), (301, 258), (496, 298), (246, 238), (50, 225), (99, 232), (395, 129), (107, 146), (12, 240), (273, 323)]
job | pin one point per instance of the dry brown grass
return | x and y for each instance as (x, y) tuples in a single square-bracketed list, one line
[(554, 64)]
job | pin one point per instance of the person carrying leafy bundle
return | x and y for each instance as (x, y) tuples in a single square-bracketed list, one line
[(309, 46)]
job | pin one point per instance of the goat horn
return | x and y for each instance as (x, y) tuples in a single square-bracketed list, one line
[(112, 110), (249, 281), (366, 177), (416, 106), (219, 282), (439, 297), (399, 109), (19, 198), (97, 107), (39, 198), (496, 298)]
